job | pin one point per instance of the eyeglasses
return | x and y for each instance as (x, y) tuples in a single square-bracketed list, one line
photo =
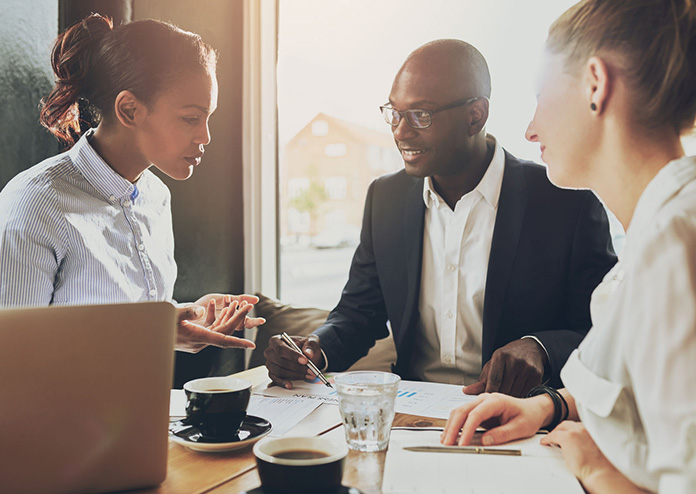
[(419, 119)]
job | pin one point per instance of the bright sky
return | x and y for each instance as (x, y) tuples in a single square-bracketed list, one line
[(340, 56)]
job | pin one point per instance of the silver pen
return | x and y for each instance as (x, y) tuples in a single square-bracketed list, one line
[(310, 364), (476, 450)]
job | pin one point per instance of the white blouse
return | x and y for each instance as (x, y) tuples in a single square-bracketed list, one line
[(634, 375)]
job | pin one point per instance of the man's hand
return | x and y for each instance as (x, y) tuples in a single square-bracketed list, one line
[(285, 364), (212, 319), (513, 369)]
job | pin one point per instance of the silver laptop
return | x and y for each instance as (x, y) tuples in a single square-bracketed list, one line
[(84, 397)]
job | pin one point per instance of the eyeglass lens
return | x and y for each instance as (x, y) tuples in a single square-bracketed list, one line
[(418, 119)]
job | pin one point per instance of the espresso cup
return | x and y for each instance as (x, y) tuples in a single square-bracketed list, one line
[(300, 464), (217, 405)]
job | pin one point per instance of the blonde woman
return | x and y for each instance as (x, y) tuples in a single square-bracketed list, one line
[(617, 91)]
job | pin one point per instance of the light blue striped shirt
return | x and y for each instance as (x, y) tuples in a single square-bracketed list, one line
[(73, 231)]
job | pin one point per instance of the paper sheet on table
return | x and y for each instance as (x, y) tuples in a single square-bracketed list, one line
[(540, 469), (429, 399), (313, 391), (283, 413), (433, 400)]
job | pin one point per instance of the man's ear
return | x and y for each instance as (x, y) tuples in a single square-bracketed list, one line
[(479, 115), (128, 109), (598, 80)]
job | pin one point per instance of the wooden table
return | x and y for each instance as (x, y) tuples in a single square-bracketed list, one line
[(191, 472)]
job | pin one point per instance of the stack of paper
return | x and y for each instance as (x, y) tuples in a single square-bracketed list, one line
[(539, 470)]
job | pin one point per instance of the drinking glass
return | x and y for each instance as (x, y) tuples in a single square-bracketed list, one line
[(366, 402)]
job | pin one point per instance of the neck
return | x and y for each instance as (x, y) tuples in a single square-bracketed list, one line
[(626, 165), (452, 187), (116, 147)]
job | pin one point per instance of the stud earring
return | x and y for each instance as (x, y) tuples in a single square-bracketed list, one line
[(593, 107)]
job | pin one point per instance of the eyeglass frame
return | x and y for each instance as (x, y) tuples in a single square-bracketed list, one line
[(430, 113)]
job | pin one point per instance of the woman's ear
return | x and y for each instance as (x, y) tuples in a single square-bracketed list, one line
[(598, 85), (128, 109), (479, 115)]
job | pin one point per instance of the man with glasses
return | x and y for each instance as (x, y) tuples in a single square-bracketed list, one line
[(482, 267)]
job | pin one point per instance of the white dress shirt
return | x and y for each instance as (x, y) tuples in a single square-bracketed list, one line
[(456, 248), (633, 376), (73, 231)]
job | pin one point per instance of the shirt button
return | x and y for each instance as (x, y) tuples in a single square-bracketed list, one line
[(141, 246), (112, 198), (450, 314), (448, 360), (127, 203), (153, 292), (452, 267)]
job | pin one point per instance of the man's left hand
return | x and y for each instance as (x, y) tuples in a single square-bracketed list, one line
[(513, 369)]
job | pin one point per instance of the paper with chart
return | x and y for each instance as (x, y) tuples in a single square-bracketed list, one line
[(429, 399), (433, 400), (540, 469)]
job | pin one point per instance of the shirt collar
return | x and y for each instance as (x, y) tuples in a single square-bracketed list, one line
[(98, 173), (665, 185), (488, 187)]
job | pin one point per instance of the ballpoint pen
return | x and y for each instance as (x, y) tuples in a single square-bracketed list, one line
[(310, 364), (476, 450)]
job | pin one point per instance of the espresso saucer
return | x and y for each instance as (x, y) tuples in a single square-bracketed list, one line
[(339, 490), (252, 429)]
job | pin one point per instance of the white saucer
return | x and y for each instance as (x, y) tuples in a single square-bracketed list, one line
[(252, 429)]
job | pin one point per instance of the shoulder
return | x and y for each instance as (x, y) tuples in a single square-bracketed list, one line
[(395, 181), (34, 192)]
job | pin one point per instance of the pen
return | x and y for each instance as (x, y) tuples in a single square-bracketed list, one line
[(310, 364), (466, 449)]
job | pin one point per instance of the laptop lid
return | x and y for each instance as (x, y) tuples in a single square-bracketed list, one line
[(84, 397)]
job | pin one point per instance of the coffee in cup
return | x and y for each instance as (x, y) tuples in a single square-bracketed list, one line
[(217, 405), (300, 464)]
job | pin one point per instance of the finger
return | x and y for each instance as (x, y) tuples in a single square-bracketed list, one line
[(210, 316), (252, 322), (280, 354), (279, 380), (230, 323), (474, 389), (199, 334), (281, 369), (504, 433), (190, 312), (507, 381), (522, 386), (495, 374), (456, 420), (251, 299), (311, 348), (487, 409)]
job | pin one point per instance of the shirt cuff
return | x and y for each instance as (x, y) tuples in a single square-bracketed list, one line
[(548, 357), (326, 361)]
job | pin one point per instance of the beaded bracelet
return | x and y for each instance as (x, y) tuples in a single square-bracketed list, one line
[(560, 406)]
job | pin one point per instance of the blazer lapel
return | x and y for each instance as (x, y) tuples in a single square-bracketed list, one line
[(412, 240), (506, 234)]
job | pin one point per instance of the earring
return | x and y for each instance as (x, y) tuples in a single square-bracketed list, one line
[(593, 107)]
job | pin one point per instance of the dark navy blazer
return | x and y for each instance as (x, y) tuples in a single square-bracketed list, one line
[(551, 247)]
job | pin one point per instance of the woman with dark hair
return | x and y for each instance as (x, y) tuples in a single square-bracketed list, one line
[(93, 224), (617, 91)]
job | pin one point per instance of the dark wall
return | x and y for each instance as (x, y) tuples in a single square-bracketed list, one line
[(27, 30), (207, 208)]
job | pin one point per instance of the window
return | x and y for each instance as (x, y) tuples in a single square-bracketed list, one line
[(335, 67)]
